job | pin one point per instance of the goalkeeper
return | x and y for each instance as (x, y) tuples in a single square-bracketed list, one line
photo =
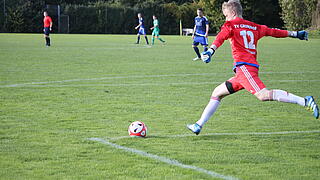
[(244, 36)]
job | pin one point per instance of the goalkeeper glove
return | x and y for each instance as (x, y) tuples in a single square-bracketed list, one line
[(206, 56), (302, 35)]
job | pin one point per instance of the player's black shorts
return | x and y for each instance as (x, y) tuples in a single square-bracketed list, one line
[(46, 31)]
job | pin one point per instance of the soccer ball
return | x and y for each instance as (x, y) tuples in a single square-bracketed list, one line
[(137, 129)]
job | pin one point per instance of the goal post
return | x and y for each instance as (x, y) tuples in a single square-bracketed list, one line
[(61, 21)]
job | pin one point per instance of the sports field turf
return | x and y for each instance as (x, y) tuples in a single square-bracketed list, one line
[(53, 100)]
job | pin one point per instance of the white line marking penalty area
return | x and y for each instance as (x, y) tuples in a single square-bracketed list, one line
[(163, 159), (223, 134), (139, 76)]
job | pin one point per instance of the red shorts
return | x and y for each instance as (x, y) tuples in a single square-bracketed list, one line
[(246, 77)]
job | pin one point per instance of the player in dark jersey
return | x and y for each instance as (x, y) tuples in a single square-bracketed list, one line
[(244, 36), (200, 33), (47, 27), (142, 30)]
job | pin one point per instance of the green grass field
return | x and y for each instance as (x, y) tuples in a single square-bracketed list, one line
[(93, 86)]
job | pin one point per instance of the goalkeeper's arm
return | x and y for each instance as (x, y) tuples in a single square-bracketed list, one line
[(302, 35)]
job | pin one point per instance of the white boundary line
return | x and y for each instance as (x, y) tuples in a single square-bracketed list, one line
[(138, 84), (179, 164), (141, 76), (163, 159), (118, 85), (111, 77), (128, 46), (224, 134)]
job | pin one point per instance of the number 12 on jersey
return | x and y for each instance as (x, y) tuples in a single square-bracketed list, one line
[(249, 45)]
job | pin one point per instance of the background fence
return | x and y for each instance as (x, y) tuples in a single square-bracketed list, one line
[(119, 16)]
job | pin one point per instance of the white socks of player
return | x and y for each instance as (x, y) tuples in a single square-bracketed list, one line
[(209, 110), (283, 96), (277, 95)]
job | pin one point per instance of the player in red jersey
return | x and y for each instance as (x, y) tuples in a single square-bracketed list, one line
[(243, 36), (47, 27)]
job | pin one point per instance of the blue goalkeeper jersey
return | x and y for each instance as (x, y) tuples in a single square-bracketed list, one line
[(200, 23)]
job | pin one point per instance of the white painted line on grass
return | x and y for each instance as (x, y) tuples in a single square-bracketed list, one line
[(128, 46), (141, 76), (140, 84), (225, 134), (121, 85), (111, 77), (163, 159)]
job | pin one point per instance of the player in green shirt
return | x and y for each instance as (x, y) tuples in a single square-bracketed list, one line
[(156, 30)]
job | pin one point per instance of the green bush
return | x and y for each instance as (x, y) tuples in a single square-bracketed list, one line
[(297, 14), (25, 16), (314, 33), (115, 19), (14, 20)]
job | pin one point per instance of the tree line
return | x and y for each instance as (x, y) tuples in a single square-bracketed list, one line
[(119, 16)]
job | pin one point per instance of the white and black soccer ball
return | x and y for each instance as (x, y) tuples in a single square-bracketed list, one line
[(137, 129)]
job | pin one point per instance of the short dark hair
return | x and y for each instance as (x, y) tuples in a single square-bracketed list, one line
[(200, 9)]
